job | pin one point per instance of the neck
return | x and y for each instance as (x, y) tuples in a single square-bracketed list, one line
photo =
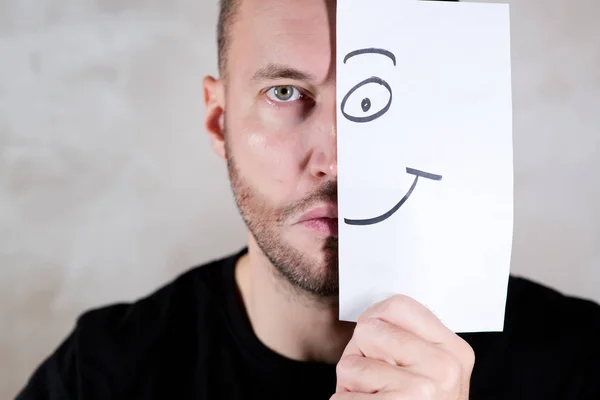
[(290, 322)]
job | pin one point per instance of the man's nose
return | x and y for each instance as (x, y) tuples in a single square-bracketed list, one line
[(323, 158)]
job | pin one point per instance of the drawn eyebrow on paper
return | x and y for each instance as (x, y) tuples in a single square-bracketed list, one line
[(386, 215), (371, 50)]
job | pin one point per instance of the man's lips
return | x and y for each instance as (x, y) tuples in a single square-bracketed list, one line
[(321, 220), (329, 211)]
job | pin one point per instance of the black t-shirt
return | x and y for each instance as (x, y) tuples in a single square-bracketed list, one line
[(192, 340)]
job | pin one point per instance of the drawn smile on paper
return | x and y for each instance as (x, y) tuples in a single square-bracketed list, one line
[(386, 215), (370, 113)]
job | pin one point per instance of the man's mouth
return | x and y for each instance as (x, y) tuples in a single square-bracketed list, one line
[(321, 220), (322, 226), (375, 220)]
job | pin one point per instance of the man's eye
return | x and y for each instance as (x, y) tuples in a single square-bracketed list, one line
[(284, 94)]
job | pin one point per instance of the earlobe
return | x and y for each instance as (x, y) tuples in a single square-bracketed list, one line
[(214, 101)]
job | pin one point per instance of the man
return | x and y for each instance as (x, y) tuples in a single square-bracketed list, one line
[(263, 323)]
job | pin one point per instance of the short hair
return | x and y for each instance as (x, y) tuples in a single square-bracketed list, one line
[(227, 12)]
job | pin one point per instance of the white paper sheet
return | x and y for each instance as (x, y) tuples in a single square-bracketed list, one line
[(431, 107)]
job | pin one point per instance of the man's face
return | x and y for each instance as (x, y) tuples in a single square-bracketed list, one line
[(280, 135)]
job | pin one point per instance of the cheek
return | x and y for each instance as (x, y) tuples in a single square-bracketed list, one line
[(274, 153), (269, 158)]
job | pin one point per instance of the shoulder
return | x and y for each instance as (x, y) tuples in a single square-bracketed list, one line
[(192, 290), (552, 332), (549, 347), (169, 313), (180, 301), (110, 345), (538, 308)]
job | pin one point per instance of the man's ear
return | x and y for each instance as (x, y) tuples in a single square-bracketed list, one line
[(214, 101)]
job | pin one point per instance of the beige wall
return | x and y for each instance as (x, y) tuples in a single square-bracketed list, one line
[(108, 187)]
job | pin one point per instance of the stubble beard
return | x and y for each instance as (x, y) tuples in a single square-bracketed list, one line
[(313, 274)]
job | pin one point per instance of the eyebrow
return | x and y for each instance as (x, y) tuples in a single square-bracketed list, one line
[(371, 50), (277, 71)]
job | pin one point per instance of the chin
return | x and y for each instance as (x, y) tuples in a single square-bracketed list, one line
[(307, 262), (321, 253)]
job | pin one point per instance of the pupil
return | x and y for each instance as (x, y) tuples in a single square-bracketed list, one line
[(366, 104), (283, 92)]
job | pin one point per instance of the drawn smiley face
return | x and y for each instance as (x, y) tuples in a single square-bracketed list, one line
[(367, 112)]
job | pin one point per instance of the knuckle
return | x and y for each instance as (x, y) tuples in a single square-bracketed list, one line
[(451, 373), (397, 303), (369, 311), (393, 305), (368, 314), (350, 365), (364, 317), (465, 353), (469, 355), (425, 389), (365, 328), (340, 368)]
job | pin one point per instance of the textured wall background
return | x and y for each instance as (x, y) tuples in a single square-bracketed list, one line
[(108, 187)]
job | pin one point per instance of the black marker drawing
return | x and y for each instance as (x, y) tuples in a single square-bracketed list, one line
[(383, 217), (365, 105), (366, 102), (371, 50)]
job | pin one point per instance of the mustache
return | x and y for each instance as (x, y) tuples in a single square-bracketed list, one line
[(327, 192)]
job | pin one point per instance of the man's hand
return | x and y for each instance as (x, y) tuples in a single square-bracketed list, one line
[(401, 350)]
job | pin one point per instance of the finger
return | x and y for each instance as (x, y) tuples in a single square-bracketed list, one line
[(367, 375), (389, 343), (381, 340), (411, 315)]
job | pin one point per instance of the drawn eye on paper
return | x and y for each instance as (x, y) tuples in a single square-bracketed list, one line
[(369, 100)]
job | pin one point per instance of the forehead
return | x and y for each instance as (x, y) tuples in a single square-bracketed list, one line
[(298, 34)]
